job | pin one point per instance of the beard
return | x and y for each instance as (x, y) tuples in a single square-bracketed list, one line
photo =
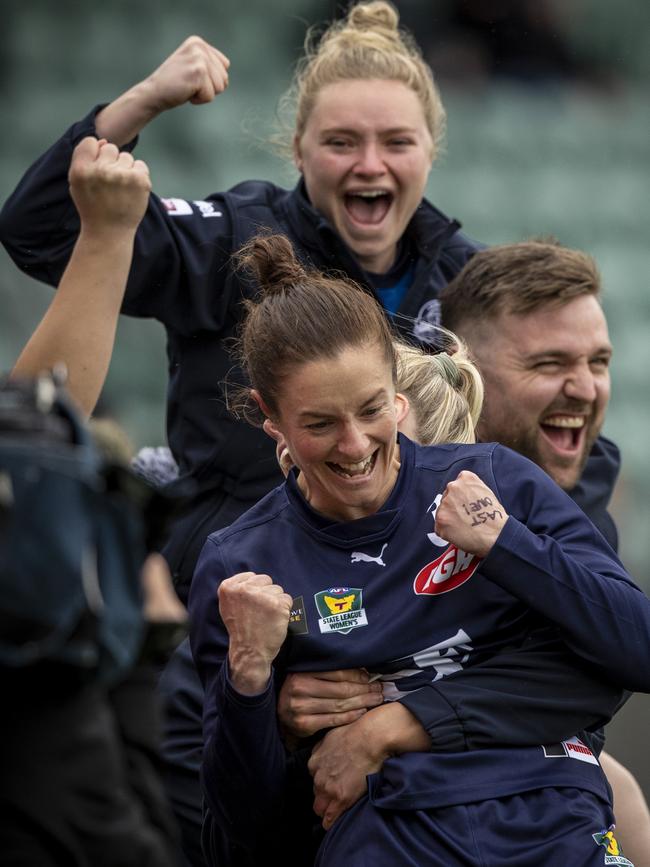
[(531, 442)]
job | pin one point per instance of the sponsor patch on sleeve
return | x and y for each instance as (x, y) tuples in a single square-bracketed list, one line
[(183, 208), (297, 619), (207, 209), (177, 207), (574, 748)]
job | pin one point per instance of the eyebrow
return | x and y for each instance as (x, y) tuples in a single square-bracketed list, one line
[(561, 354), (344, 130), (380, 393)]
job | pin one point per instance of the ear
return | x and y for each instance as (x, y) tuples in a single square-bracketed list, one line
[(402, 407), (282, 454), (271, 429), (270, 425), (297, 157), (257, 397)]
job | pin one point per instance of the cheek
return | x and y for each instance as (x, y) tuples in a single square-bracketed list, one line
[(322, 169), (604, 391), (530, 404), (387, 431), (416, 173), (306, 451)]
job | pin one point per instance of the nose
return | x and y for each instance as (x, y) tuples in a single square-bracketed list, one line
[(369, 160), (353, 443), (580, 384)]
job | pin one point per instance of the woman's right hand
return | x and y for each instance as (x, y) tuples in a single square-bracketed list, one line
[(311, 701), (196, 72), (255, 611)]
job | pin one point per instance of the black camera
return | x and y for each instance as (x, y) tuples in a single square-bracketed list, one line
[(74, 532)]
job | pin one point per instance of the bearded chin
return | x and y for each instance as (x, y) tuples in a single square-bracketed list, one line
[(527, 443)]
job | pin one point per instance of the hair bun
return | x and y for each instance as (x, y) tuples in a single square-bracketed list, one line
[(376, 15), (273, 263)]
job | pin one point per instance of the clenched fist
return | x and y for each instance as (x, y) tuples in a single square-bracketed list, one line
[(255, 611), (196, 72), (109, 187), (470, 515)]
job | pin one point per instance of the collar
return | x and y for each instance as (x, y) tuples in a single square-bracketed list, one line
[(346, 534)]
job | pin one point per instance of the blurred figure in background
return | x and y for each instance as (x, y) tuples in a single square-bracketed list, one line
[(87, 617)]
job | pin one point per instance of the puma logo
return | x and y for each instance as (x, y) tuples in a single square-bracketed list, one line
[(360, 557), (434, 538)]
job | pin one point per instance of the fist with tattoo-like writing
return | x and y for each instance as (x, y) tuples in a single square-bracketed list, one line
[(470, 515)]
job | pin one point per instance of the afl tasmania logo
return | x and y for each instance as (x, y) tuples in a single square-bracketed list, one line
[(447, 572)]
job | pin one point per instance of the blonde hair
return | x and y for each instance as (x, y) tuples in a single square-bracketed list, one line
[(367, 44), (445, 391)]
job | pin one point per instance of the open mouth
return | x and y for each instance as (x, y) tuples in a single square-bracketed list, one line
[(565, 432), (357, 470), (368, 207)]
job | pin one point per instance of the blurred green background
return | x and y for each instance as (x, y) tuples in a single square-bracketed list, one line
[(548, 133)]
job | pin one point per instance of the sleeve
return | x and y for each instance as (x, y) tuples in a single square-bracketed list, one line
[(551, 557), (244, 769), (534, 694), (182, 248)]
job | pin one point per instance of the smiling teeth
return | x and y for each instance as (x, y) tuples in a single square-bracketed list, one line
[(357, 469), (572, 421)]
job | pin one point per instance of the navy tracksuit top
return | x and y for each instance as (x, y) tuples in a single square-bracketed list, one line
[(384, 592)]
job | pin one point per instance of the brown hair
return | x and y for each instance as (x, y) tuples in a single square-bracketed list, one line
[(517, 278), (301, 315), (367, 44), (445, 391)]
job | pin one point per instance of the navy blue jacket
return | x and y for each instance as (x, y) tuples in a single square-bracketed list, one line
[(550, 601)]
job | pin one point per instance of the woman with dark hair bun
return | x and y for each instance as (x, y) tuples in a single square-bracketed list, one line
[(442, 571)]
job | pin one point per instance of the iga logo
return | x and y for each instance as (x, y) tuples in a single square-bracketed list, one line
[(447, 572)]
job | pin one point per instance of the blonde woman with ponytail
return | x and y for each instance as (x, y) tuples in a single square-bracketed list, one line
[(444, 391)]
